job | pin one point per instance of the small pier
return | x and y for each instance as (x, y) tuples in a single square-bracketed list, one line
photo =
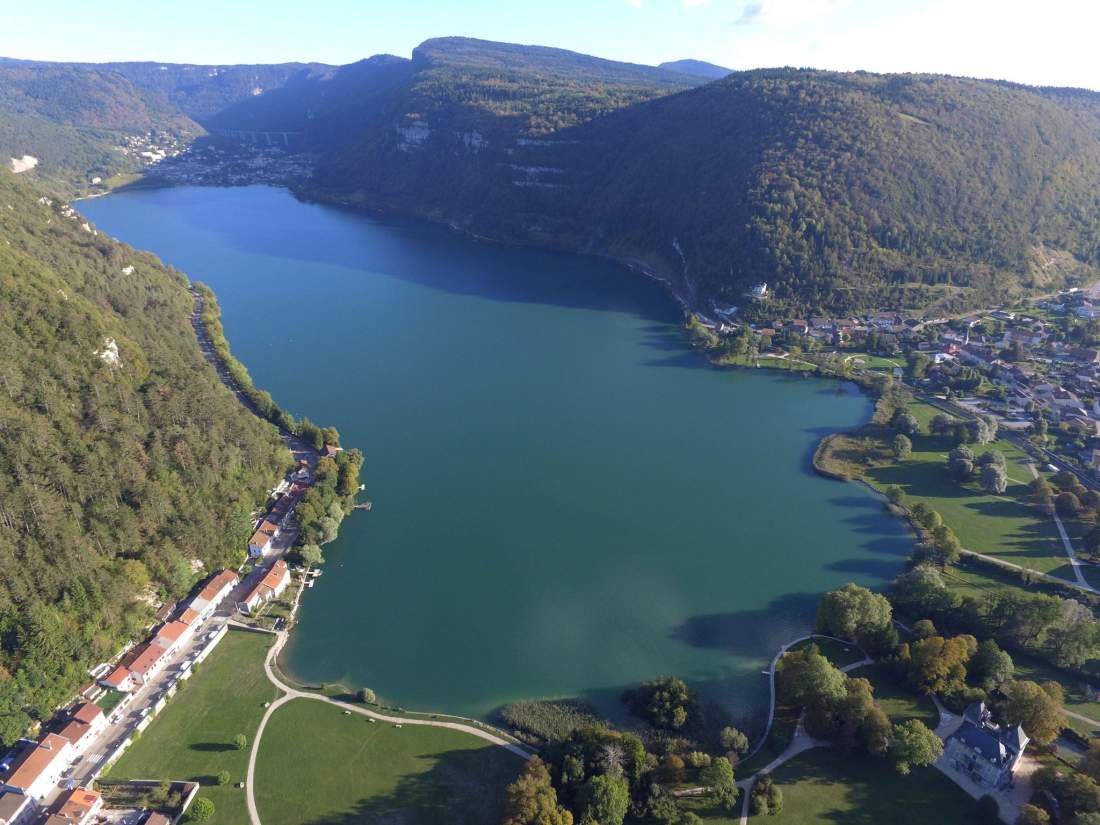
[(366, 505)]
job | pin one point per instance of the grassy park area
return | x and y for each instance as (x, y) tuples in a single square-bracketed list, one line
[(362, 771), (192, 738), (839, 653), (898, 702), (1005, 526), (857, 790)]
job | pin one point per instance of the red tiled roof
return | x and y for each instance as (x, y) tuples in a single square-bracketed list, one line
[(74, 731), (117, 676), (87, 712), (77, 803), (143, 658), (33, 762), (188, 616), (217, 584), (171, 633)]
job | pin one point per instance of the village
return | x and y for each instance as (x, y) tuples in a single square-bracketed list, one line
[(48, 780), (1034, 370)]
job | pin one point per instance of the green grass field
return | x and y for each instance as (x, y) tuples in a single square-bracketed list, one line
[(839, 653), (359, 771), (192, 738), (899, 703), (1004, 526), (819, 787)]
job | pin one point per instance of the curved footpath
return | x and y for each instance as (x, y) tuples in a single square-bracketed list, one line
[(290, 694)]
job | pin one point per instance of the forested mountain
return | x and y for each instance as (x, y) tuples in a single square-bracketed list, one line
[(696, 67), (126, 468), (73, 119), (842, 191)]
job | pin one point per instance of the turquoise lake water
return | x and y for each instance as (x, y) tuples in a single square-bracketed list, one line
[(567, 500)]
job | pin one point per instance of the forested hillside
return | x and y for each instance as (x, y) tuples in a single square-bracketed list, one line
[(73, 119), (843, 191), (126, 468)]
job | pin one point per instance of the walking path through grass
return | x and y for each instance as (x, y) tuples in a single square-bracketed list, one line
[(290, 694), (1073, 560)]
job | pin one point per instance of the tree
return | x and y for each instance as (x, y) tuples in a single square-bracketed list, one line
[(665, 702), (805, 675), (947, 544), (532, 800), (718, 776), (905, 422), (224, 778), (1092, 759), (367, 697), (1036, 708), (1075, 636), (311, 555), (1067, 504), (240, 741), (852, 612), (605, 799), (994, 478), (734, 741), (766, 797), (921, 591), (895, 495), (940, 425), (924, 629), (201, 810), (1032, 815), (938, 665), (914, 745), (990, 666), (902, 446)]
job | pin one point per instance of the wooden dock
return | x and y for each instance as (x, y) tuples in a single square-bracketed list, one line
[(366, 505)]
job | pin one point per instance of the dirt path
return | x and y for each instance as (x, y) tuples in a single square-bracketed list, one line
[(1070, 552)]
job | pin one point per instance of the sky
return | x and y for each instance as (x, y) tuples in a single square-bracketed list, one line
[(1042, 42)]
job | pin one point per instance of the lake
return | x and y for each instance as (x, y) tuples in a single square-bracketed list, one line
[(567, 500)]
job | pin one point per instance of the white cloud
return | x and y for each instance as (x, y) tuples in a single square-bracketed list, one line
[(787, 12)]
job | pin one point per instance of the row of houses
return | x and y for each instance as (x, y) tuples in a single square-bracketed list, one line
[(33, 771), (287, 498), (142, 662)]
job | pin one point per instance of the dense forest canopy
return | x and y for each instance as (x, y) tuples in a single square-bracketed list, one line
[(122, 480)]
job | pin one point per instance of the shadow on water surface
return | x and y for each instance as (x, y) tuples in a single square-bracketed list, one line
[(269, 222)]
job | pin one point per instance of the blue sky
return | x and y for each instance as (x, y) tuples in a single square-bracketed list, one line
[(1053, 42)]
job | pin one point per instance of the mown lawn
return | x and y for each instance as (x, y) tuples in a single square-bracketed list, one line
[(321, 766), (898, 702), (839, 653), (1004, 526), (192, 738), (821, 787)]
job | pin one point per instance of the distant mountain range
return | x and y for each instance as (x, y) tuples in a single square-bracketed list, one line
[(842, 191), (700, 68)]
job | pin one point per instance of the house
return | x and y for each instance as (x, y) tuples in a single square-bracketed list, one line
[(271, 586), (760, 290), (213, 593), (78, 806), (84, 724), (985, 752), (17, 808), (155, 818), (37, 769), (260, 543), (145, 661), (119, 679), (172, 635)]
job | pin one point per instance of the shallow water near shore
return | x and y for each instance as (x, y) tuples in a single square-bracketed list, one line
[(567, 499)]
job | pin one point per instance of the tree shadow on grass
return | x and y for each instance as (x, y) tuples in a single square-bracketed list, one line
[(462, 787), (212, 747), (860, 790)]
